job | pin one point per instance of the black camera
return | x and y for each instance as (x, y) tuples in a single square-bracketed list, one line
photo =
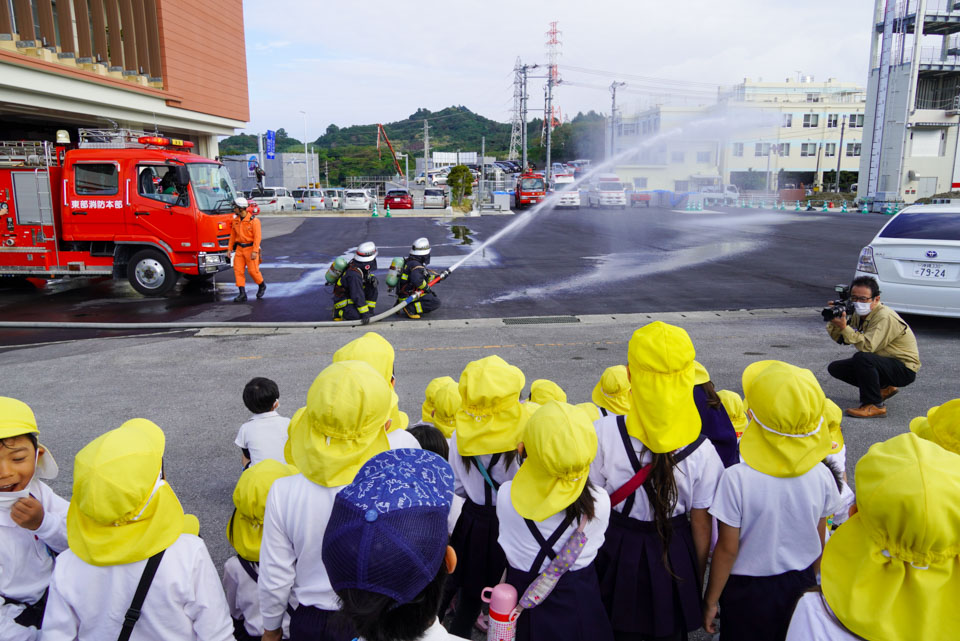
[(837, 307)]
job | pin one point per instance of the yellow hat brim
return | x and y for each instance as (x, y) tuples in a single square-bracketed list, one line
[(619, 404), (781, 455), (245, 537), (700, 374), (326, 461), (537, 495), (500, 432), (398, 420), (670, 420)]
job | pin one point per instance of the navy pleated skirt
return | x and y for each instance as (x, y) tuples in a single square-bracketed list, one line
[(308, 623), (480, 560), (572, 612), (640, 596), (760, 607)]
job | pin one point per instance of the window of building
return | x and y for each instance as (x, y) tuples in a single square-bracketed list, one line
[(811, 120), (703, 156), (853, 149), (832, 120), (808, 149), (761, 149), (830, 149), (640, 183), (676, 156), (681, 186), (856, 120), (630, 129), (738, 149), (783, 149), (96, 179), (787, 120), (813, 97)]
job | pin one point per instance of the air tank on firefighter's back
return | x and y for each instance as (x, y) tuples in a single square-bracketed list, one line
[(393, 274), (335, 271)]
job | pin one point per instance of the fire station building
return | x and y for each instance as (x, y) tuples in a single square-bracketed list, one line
[(173, 66)]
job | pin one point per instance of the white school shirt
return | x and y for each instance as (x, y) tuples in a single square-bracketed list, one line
[(25, 563), (777, 517), (696, 476), (185, 600), (470, 483), (522, 549), (290, 553), (400, 439), (813, 621), (264, 435), (243, 598), (435, 632)]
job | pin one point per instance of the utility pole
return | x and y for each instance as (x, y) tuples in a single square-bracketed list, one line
[(326, 172), (306, 154), (843, 127), (548, 114), (483, 155), (426, 153), (613, 110), (260, 149)]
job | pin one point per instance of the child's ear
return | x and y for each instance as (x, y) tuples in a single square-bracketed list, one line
[(276, 404), (450, 560), (386, 426), (520, 448), (41, 450)]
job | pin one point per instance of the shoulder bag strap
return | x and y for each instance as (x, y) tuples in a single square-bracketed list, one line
[(491, 485), (133, 612), (626, 492)]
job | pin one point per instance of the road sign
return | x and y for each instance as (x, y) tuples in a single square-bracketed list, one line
[(252, 163), (271, 144)]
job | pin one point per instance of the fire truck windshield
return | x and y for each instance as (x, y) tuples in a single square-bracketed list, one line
[(212, 187), (532, 184)]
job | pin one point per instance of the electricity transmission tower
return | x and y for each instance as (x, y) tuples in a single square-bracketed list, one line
[(516, 132)]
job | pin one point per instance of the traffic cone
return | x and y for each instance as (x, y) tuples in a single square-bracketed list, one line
[(797, 208), (700, 206), (889, 210), (824, 209), (689, 205), (388, 211), (864, 210), (843, 207), (375, 214)]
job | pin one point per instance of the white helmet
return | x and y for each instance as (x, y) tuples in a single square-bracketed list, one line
[(366, 252), (421, 247), (240, 202)]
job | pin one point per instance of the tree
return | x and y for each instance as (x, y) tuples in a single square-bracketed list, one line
[(460, 181)]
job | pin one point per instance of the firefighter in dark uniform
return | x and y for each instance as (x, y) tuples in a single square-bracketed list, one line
[(414, 277), (355, 293)]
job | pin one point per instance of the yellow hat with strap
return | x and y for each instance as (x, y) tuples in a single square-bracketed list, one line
[(491, 418), (892, 571), (560, 443), (426, 410), (376, 351), (342, 425), (447, 403), (663, 415), (245, 529), (733, 404), (833, 416), (542, 390), (122, 511), (941, 425), (17, 419), (787, 434), (700, 373), (612, 391)]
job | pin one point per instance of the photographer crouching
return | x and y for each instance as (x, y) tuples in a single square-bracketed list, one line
[(887, 357)]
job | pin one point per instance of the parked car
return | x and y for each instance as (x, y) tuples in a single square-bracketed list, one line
[(398, 199), (356, 199), (638, 198), (310, 199), (420, 180), (435, 198), (333, 197), (273, 199), (439, 179), (916, 260)]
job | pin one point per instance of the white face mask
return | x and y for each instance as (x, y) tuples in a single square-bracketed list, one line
[(7, 499), (862, 309)]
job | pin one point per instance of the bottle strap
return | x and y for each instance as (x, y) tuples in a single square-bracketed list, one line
[(133, 612)]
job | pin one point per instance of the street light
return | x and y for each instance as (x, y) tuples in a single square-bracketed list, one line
[(306, 155)]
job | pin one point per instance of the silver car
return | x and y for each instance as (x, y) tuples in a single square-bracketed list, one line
[(435, 198), (310, 200), (356, 199), (333, 197)]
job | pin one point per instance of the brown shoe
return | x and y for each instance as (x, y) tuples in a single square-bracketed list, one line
[(888, 391), (867, 411)]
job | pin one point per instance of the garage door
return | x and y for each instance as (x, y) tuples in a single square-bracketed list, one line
[(927, 186)]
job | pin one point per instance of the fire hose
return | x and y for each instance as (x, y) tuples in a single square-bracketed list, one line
[(227, 324)]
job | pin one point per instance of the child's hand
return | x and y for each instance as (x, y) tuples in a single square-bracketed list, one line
[(272, 635), (27, 513), (709, 617)]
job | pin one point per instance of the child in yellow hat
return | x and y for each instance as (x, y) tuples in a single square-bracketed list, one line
[(446, 404), (429, 394), (612, 392), (244, 531), (344, 423), (662, 474), (129, 537), (893, 570), (941, 425), (32, 522), (483, 454), (542, 391), (772, 507), (733, 405), (549, 499)]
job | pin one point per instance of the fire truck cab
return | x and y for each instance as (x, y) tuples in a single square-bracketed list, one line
[(531, 189), (121, 203)]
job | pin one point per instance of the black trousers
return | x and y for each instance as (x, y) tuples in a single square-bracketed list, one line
[(426, 304), (870, 373)]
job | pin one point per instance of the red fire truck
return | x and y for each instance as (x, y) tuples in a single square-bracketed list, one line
[(531, 189), (120, 203)]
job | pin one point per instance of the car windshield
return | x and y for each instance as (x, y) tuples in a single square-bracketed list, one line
[(531, 183), (924, 226), (297, 193), (610, 187), (564, 186), (212, 187), (263, 193), (312, 194)]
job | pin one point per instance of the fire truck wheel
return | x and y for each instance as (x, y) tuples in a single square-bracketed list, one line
[(150, 273)]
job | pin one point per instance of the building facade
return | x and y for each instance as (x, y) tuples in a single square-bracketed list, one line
[(173, 66), (290, 170)]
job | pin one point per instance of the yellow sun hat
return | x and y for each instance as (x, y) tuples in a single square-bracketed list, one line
[(663, 415), (446, 403), (733, 404), (122, 511), (787, 434), (426, 410), (941, 425), (591, 410), (341, 426), (17, 419), (376, 351), (700, 374), (560, 443), (833, 416), (612, 391), (491, 417), (542, 390), (892, 571), (245, 528)]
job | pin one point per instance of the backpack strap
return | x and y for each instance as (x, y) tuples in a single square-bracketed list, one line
[(133, 612)]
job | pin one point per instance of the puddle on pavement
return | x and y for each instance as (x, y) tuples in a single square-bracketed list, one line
[(462, 233)]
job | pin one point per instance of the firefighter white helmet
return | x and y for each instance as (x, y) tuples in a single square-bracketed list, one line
[(421, 247), (240, 202), (366, 252)]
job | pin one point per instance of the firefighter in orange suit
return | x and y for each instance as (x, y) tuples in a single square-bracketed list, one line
[(245, 241)]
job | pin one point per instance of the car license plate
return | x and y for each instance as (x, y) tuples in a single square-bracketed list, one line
[(933, 271)]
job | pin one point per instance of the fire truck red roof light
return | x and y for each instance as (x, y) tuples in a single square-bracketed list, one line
[(160, 141)]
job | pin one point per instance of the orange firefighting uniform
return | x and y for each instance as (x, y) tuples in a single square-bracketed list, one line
[(245, 240)]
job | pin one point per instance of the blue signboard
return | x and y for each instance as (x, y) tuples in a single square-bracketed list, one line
[(252, 163), (271, 144)]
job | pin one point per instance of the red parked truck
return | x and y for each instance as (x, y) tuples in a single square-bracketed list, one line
[(531, 189), (120, 203)]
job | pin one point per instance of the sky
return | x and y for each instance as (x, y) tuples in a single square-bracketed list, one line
[(349, 63)]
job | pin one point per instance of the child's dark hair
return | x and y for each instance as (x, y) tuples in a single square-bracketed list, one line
[(713, 399), (431, 439), (584, 506), (837, 473), (378, 617), (506, 460), (260, 394), (661, 489), (9, 441)]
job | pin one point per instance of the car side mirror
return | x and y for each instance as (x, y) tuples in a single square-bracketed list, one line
[(182, 174)]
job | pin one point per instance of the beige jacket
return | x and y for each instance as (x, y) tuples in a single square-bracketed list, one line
[(881, 332)]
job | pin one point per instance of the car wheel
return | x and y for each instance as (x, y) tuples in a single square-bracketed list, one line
[(150, 273)]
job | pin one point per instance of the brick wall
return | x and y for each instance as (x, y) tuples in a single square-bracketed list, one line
[(204, 56)]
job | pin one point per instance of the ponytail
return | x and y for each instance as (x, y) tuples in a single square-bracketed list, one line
[(584, 506), (661, 489), (713, 399)]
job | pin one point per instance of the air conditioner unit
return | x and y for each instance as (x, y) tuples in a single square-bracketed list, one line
[(911, 175)]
